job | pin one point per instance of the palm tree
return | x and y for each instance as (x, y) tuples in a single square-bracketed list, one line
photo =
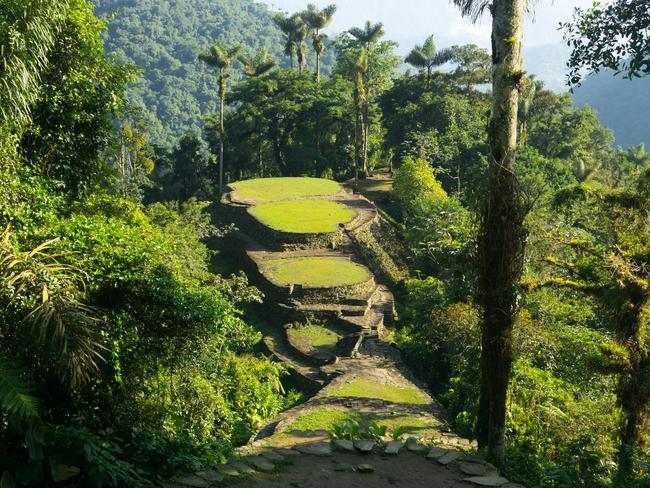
[(221, 58), (502, 240), (427, 57), (300, 37), (254, 67), (369, 35), (290, 27), (317, 20), (366, 39), (258, 64), (360, 95)]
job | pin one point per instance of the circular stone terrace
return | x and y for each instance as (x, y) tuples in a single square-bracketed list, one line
[(303, 216), (262, 190), (311, 212), (315, 271)]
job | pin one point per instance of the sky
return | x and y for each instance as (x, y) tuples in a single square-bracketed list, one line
[(411, 21)]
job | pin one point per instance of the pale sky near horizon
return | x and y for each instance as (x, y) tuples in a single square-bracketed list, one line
[(411, 21)]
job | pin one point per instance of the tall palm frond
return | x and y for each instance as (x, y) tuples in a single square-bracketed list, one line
[(258, 64), (368, 35), (472, 9), (220, 56), (427, 57), (44, 294), (27, 32), (318, 19)]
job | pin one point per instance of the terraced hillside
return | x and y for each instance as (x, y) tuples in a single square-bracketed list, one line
[(334, 319)]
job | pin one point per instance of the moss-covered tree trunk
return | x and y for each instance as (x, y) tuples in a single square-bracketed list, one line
[(633, 391), (502, 234)]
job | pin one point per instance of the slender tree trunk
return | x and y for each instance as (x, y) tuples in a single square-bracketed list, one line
[(633, 397), (123, 169), (357, 135), (222, 129), (502, 234), (318, 66)]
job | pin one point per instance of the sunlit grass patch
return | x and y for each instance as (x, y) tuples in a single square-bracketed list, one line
[(303, 216), (375, 185), (315, 335), (368, 389), (323, 419), (327, 417), (269, 189), (315, 272)]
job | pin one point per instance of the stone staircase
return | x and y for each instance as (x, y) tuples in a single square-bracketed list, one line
[(361, 316)]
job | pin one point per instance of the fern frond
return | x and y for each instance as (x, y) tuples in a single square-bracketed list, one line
[(15, 397)]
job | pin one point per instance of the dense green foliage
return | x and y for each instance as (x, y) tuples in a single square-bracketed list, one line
[(122, 357)]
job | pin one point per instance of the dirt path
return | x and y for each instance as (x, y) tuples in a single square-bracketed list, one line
[(340, 471)]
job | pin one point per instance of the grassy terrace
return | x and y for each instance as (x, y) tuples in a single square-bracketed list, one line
[(315, 335), (303, 216), (327, 417), (315, 272), (270, 189), (367, 389)]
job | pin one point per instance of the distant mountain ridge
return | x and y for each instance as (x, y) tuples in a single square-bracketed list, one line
[(622, 105)]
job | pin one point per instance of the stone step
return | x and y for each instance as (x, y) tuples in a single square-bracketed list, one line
[(353, 310)]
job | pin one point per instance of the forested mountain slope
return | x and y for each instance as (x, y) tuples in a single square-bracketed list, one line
[(164, 39), (622, 105)]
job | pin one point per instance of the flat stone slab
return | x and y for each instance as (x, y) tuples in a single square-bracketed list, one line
[(243, 468), (287, 453), (437, 452), (314, 448), (210, 475), (365, 468), (417, 448), (393, 447), (364, 445), (450, 457), (487, 480), (228, 470), (272, 456), (476, 469), (344, 468), (259, 463), (193, 481), (343, 445)]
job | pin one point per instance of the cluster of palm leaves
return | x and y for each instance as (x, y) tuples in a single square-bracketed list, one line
[(428, 57), (27, 32), (297, 28), (44, 322)]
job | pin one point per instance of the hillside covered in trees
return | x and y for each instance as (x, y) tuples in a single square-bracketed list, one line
[(163, 38)]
